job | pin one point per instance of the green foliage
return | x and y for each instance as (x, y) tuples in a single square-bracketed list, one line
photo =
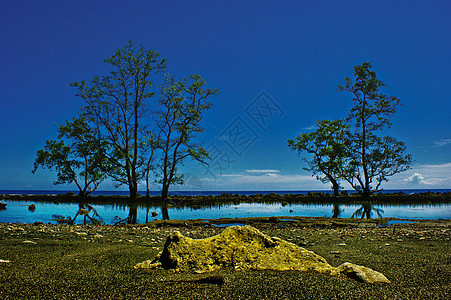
[(374, 158), (327, 145), (121, 133), (182, 104), (352, 149), (118, 104), (81, 162)]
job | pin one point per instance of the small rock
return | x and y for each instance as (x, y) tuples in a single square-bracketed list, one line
[(29, 242), (81, 233), (361, 273), (335, 252)]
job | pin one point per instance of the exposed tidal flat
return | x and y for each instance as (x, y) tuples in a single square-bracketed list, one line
[(49, 261)]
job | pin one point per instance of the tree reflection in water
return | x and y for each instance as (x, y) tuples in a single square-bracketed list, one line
[(133, 214), (336, 210), (366, 210)]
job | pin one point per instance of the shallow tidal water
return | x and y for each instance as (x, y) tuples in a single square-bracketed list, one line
[(20, 212)]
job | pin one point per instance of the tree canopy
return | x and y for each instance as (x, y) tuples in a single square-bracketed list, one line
[(327, 145), (118, 105), (182, 103), (374, 158), (136, 127), (354, 149), (77, 154)]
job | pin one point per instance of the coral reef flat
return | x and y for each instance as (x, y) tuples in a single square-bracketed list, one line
[(45, 261)]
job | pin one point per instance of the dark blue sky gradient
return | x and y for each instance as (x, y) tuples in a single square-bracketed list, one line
[(295, 51)]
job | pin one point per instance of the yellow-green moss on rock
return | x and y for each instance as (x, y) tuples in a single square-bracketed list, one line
[(246, 248)]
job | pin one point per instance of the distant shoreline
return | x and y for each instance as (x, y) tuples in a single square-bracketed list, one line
[(198, 192), (429, 197)]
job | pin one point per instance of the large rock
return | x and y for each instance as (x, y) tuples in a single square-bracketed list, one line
[(246, 248)]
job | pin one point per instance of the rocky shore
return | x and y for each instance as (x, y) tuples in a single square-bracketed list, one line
[(97, 262)]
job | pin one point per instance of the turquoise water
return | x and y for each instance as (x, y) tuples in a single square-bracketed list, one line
[(18, 211)]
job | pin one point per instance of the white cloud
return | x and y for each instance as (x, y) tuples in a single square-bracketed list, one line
[(262, 171), (442, 142), (416, 178), (311, 127), (426, 176)]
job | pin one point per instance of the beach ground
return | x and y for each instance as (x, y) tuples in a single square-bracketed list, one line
[(44, 261)]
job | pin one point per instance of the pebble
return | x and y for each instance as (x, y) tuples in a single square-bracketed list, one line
[(29, 242)]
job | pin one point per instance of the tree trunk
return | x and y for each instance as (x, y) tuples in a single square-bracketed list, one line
[(147, 185), (335, 187), (133, 191), (165, 191)]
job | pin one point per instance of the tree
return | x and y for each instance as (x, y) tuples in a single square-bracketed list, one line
[(374, 158), (152, 147), (117, 104), (327, 144), (182, 104), (82, 162)]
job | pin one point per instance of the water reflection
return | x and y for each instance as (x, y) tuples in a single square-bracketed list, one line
[(83, 210), (366, 211), (336, 210), (71, 213)]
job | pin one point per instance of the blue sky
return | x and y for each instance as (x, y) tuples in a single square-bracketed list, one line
[(282, 58)]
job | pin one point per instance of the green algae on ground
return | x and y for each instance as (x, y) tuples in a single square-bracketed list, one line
[(246, 248), (99, 265)]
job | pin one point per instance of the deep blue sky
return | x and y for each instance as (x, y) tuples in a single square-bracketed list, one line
[(296, 52)]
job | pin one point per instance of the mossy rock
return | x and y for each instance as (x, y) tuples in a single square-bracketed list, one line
[(246, 248)]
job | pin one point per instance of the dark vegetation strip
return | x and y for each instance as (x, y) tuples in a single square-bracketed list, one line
[(223, 199)]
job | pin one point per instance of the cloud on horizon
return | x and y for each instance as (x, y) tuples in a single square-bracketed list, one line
[(423, 176), (262, 171)]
